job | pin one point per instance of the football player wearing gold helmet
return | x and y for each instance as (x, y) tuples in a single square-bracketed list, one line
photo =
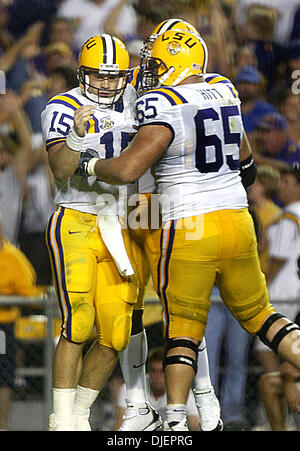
[(103, 69), (164, 65), (191, 134), (166, 25), (149, 240), (93, 269)]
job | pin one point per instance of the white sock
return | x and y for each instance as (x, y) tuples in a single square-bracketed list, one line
[(202, 377), (175, 412), (63, 403), (133, 363), (84, 399)]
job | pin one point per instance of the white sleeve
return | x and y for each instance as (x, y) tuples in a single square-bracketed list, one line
[(56, 123), (281, 239)]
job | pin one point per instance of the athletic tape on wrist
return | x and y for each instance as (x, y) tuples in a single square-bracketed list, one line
[(91, 166), (74, 141)]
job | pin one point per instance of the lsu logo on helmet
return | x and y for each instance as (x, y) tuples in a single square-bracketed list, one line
[(175, 56), (166, 25), (174, 48)]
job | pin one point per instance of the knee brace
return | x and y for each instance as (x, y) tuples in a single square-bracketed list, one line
[(181, 359), (83, 317), (286, 329)]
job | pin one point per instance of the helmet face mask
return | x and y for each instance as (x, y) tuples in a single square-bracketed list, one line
[(103, 69), (103, 88), (151, 71)]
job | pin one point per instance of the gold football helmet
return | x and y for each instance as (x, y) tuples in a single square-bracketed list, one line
[(103, 57), (175, 56), (166, 25)]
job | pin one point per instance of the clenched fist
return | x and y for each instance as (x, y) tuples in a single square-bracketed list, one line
[(81, 118)]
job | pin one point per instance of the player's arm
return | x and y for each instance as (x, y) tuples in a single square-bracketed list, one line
[(63, 161), (146, 147), (64, 158), (247, 166)]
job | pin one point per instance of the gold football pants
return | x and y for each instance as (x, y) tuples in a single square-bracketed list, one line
[(89, 287), (148, 241), (199, 251), (146, 259)]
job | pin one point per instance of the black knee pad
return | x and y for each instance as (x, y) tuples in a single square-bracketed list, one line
[(181, 359), (286, 329)]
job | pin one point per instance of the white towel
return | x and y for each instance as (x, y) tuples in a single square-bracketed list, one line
[(110, 229)]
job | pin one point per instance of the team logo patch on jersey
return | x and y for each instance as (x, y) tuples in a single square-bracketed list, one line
[(174, 48), (106, 123)]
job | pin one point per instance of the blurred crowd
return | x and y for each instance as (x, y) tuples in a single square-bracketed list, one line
[(255, 43)]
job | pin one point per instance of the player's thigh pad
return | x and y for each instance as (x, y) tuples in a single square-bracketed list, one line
[(240, 280), (187, 270), (114, 302), (69, 240)]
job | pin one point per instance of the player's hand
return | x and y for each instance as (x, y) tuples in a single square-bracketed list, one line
[(291, 395), (81, 118), (85, 157)]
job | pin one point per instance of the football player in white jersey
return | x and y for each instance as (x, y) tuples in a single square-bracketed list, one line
[(149, 240), (93, 260), (147, 235), (192, 135)]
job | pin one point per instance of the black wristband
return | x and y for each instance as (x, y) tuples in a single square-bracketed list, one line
[(248, 171)]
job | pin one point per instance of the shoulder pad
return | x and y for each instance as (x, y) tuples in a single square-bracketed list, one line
[(217, 78), (134, 77), (169, 94), (67, 100)]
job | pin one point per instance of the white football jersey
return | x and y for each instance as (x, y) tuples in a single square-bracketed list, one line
[(146, 183), (284, 243), (108, 132), (199, 172)]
